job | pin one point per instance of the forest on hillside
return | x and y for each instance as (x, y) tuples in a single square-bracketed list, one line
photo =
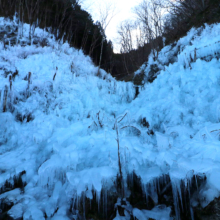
[(158, 23), (66, 20)]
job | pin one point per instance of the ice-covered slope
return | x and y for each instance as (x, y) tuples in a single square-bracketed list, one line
[(182, 106), (58, 129), (60, 132)]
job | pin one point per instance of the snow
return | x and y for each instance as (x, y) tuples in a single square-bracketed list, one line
[(68, 146)]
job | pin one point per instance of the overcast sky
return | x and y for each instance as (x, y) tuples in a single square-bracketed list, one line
[(123, 12)]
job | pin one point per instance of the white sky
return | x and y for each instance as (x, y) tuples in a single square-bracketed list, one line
[(123, 10)]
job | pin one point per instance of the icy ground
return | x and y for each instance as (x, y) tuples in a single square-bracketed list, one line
[(59, 125)]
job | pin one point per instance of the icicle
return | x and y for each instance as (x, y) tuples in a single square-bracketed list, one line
[(98, 198), (191, 213), (144, 189), (188, 186), (74, 206), (105, 200), (196, 182), (130, 179), (77, 202), (84, 205), (180, 193), (153, 191), (158, 185), (176, 191), (165, 179), (106, 203), (176, 202)]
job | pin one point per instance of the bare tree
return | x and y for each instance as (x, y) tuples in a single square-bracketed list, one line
[(140, 36), (126, 40), (125, 34), (67, 5), (85, 36), (32, 7), (181, 15), (20, 14), (150, 13), (95, 39), (106, 14)]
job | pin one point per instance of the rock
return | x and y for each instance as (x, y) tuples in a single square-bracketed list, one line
[(152, 74), (210, 212), (138, 79)]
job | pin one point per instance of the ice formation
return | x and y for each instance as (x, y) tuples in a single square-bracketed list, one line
[(57, 128)]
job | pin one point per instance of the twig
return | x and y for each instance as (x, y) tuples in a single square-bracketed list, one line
[(29, 78), (5, 98), (195, 55), (10, 81), (131, 127), (123, 117), (215, 130), (55, 74), (100, 122)]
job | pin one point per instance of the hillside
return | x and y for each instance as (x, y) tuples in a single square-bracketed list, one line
[(64, 128), (65, 19)]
